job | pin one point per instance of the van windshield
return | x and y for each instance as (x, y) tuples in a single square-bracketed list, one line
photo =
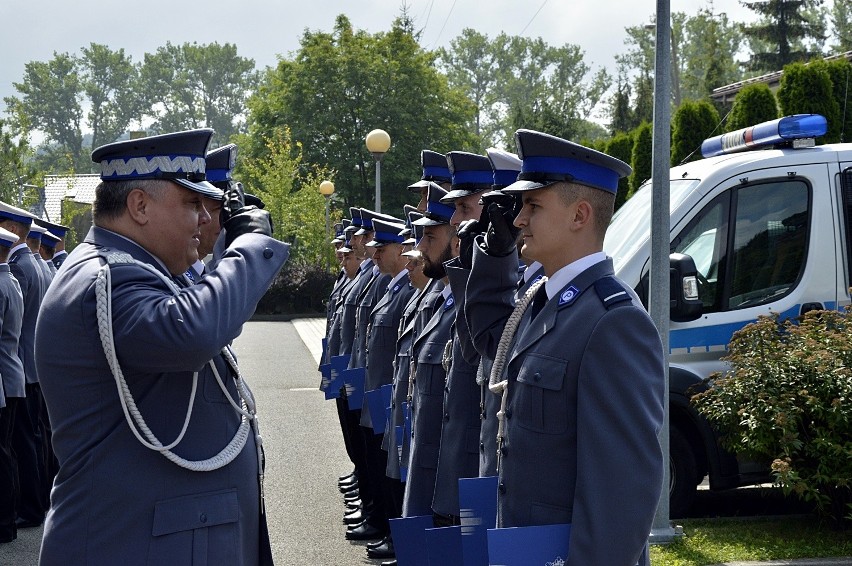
[(631, 225)]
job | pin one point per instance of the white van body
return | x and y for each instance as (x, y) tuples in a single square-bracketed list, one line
[(768, 230)]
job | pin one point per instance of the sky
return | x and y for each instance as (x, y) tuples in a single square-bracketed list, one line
[(263, 30)]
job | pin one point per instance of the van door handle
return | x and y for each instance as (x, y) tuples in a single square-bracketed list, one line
[(807, 307)]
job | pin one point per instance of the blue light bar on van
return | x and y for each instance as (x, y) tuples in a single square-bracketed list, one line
[(780, 131)]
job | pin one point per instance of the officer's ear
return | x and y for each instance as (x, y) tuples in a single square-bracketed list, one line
[(137, 205)]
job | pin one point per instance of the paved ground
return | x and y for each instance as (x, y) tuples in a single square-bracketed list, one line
[(304, 454)]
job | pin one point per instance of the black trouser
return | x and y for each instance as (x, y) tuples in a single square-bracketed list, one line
[(440, 520), (28, 444), (8, 471), (50, 463), (377, 462), (359, 455), (342, 416)]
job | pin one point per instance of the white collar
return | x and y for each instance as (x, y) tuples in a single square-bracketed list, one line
[(376, 270), (21, 246), (446, 291), (396, 278), (565, 275), (365, 263), (531, 270), (198, 266)]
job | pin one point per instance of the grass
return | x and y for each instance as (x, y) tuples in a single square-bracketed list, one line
[(712, 541)]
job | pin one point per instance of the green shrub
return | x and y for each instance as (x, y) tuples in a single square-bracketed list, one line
[(840, 71), (788, 400), (807, 89), (620, 146), (753, 104), (642, 156), (693, 122), (299, 288)]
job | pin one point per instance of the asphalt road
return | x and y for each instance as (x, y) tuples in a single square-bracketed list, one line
[(304, 454)]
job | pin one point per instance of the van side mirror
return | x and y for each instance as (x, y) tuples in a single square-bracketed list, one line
[(684, 303)]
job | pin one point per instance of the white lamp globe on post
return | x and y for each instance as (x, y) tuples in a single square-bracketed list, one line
[(378, 143), (326, 189)]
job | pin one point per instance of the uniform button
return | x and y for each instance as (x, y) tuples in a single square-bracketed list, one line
[(267, 253), (428, 355), (393, 405), (203, 517), (537, 377), (502, 488), (481, 447)]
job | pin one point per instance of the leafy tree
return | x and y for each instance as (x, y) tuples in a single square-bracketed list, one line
[(620, 146), (341, 85), (708, 53), (753, 104), (841, 23), (290, 190), (840, 71), (109, 80), (14, 171), (195, 86), (807, 89), (619, 112), (779, 37), (51, 102), (641, 158), (692, 123)]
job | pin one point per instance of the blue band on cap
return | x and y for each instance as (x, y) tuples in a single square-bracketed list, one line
[(16, 217), (367, 223), (34, 234), (6, 244), (58, 232), (440, 210), (387, 237), (505, 177), (440, 172), (472, 177), (356, 221), (218, 175), (580, 171)]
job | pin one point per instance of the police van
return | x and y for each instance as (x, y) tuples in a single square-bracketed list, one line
[(765, 218)]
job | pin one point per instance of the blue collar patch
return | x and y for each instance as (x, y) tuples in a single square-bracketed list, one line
[(448, 304), (568, 296)]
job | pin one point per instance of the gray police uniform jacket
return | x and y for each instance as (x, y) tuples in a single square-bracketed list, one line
[(11, 317), (369, 297), (427, 410), (331, 304), (381, 339), (23, 266), (399, 395), (586, 380), (334, 329), (350, 308), (45, 270), (458, 456), (114, 501), (59, 258)]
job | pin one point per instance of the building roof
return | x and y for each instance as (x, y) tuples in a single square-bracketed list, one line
[(79, 188), (727, 93)]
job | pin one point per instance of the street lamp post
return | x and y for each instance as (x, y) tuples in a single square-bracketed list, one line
[(378, 143), (326, 189)]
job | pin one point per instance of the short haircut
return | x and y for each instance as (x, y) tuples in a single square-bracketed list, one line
[(602, 202), (18, 228), (111, 196)]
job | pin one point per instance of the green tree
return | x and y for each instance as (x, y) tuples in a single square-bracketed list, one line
[(708, 52), (780, 36), (840, 71), (641, 158), (341, 85), (841, 24), (51, 102), (753, 104), (692, 123), (620, 146), (14, 171), (621, 118), (807, 89), (194, 86), (109, 80)]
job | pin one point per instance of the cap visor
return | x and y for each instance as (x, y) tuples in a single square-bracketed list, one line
[(521, 186), (409, 242), (344, 249), (361, 232), (202, 187), (426, 221), (418, 186)]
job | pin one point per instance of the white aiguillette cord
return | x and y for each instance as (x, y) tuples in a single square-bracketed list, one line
[(246, 408), (496, 383)]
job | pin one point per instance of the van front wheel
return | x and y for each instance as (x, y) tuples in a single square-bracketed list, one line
[(684, 475)]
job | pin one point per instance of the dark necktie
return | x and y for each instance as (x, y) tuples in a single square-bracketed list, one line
[(539, 301)]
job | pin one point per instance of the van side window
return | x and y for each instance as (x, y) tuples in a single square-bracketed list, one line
[(759, 236)]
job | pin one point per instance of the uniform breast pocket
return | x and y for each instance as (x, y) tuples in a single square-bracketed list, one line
[(430, 373), (540, 400), (195, 529)]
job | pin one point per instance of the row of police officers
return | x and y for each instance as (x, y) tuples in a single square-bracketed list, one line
[(484, 334), (31, 250)]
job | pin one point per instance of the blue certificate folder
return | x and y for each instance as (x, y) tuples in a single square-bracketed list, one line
[(378, 402), (338, 366), (444, 547), (325, 372), (409, 539), (478, 513), (353, 379), (545, 545)]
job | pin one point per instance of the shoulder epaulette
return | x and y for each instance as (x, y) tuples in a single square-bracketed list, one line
[(611, 292)]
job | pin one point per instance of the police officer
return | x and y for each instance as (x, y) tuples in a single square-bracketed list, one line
[(435, 170), (135, 493), (582, 373), (28, 439), (58, 230), (426, 382), (459, 455), (48, 249), (12, 384)]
